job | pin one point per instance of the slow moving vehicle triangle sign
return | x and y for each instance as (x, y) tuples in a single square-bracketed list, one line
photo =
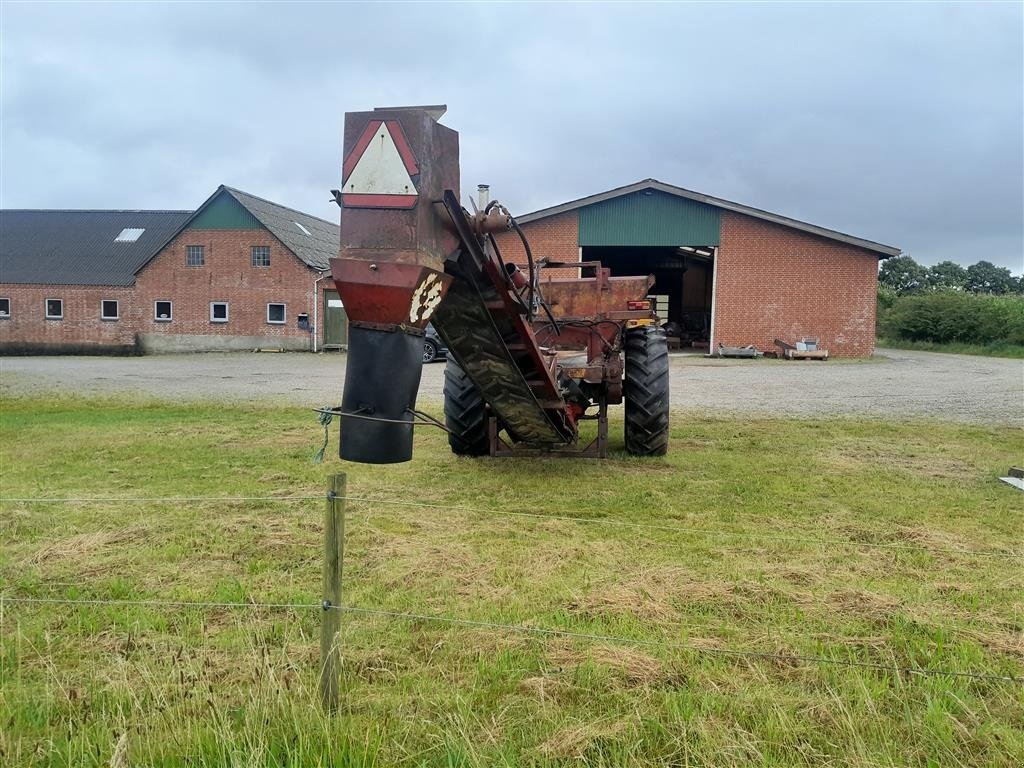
[(378, 170)]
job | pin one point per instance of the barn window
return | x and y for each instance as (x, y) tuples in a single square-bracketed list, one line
[(55, 309), (162, 311), (195, 256), (276, 314), (5, 307), (108, 309), (218, 311), (261, 255)]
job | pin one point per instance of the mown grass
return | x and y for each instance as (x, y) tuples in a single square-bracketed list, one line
[(745, 567), (995, 349)]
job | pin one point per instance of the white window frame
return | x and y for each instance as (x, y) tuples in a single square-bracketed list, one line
[(284, 312), (117, 310), (227, 312), (9, 312), (170, 315), (252, 256), (202, 252), (46, 309)]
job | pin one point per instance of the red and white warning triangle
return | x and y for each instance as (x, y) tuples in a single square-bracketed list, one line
[(378, 170)]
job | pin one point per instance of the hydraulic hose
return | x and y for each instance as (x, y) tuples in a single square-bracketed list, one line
[(529, 261)]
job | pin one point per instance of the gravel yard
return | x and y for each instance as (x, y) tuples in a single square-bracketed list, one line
[(895, 384)]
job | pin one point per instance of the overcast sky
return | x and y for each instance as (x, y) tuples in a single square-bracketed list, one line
[(898, 123)]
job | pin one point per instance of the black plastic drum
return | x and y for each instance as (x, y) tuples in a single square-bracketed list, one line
[(381, 380)]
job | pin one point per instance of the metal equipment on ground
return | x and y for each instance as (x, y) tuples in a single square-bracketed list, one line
[(805, 349), (530, 356)]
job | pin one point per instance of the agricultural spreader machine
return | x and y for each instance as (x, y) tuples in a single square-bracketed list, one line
[(531, 354)]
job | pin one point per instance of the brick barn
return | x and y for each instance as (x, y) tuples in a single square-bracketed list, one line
[(240, 272), (725, 273)]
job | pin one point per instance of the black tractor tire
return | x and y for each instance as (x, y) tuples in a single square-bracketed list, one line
[(465, 413), (429, 351), (645, 391)]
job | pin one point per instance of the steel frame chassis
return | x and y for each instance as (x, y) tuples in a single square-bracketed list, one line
[(595, 449)]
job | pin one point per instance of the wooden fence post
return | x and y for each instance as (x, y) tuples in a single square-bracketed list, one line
[(330, 629)]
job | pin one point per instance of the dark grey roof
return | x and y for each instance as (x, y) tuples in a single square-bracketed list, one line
[(315, 248), (61, 247), (884, 250)]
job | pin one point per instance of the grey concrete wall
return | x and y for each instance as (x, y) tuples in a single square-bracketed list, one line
[(165, 343)]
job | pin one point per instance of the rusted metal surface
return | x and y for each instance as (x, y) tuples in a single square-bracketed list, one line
[(410, 253), (595, 298), (390, 268), (481, 324), (489, 222), (595, 449), (417, 234), (517, 276), (388, 293)]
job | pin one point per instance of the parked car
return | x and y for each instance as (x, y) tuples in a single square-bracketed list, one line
[(433, 347)]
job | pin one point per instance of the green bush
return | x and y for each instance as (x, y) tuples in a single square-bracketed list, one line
[(945, 318), (886, 298)]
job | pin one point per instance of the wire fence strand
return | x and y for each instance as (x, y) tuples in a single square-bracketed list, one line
[(675, 529), (696, 531), (158, 499), (527, 629), (619, 640), (157, 603)]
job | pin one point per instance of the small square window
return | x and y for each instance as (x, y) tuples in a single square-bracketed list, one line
[(218, 311), (108, 309), (5, 307), (55, 309), (261, 255), (163, 311), (195, 255), (275, 313)]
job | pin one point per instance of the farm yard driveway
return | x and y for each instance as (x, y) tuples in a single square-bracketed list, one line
[(895, 384)]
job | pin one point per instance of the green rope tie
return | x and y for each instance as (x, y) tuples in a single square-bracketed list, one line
[(325, 418)]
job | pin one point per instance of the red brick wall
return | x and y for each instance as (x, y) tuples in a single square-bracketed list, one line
[(775, 282), (556, 237), (227, 275), (772, 282), (80, 331)]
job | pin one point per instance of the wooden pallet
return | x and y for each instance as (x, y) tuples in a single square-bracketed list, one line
[(807, 354), (792, 353)]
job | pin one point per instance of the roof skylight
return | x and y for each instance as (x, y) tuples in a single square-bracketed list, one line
[(129, 235)]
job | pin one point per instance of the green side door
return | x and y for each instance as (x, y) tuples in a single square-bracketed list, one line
[(335, 321)]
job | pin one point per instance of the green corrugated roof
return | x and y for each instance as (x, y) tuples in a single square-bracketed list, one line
[(884, 251), (649, 218)]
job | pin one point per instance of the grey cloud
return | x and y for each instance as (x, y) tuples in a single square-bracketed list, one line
[(900, 123)]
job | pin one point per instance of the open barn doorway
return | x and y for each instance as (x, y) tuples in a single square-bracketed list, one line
[(683, 283)]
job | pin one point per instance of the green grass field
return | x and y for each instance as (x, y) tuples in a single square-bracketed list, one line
[(830, 539)]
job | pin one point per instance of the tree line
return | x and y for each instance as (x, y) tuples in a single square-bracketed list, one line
[(905, 277), (981, 306)]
